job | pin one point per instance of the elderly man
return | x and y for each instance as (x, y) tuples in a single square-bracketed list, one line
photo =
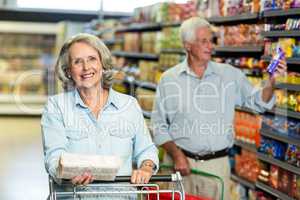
[(194, 109)]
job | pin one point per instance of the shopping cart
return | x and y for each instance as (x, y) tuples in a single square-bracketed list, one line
[(150, 191)]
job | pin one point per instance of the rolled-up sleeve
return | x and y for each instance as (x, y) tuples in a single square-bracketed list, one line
[(144, 148), (159, 122), (53, 135), (251, 97)]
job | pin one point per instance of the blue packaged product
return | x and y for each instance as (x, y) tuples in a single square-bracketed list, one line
[(275, 61)]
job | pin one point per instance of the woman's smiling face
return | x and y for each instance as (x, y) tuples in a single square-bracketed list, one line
[(85, 66)]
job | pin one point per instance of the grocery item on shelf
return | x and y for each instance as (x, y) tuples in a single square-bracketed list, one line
[(237, 7), (272, 148), (292, 155), (285, 183), (264, 173), (149, 42), (275, 5), (240, 35), (132, 42), (291, 77), (247, 165), (28, 58), (291, 24), (247, 127), (170, 38), (274, 176), (264, 196), (167, 60), (243, 62), (145, 98), (288, 99), (281, 125), (287, 44), (147, 70), (165, 12)]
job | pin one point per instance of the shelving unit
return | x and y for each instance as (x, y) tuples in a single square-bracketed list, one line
[(281, 13), (288, 86), (242, 49), (140, 27), (245, 145), (278, 163), (272, 191), (280, 137), (293, 61), (242, 181), (243, 18), (133, 55), (285, 112), (178, 51), (292, 33)]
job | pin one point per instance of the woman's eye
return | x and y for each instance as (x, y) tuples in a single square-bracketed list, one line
[(76, 62), (92, 58)]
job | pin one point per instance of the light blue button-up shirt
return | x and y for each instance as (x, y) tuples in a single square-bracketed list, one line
[(197, 113), (68, 125)]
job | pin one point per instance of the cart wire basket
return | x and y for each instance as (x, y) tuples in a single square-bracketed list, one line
[(150, 191)]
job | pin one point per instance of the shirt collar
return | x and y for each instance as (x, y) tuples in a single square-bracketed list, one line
[(112, 99), (184, 67)]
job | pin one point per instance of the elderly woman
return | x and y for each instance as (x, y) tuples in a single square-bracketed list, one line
[(91, 118)]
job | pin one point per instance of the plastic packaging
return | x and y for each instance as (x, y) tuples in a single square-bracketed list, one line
[(275, 61)]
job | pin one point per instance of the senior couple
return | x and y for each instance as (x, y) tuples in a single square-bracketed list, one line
[(191, 119)]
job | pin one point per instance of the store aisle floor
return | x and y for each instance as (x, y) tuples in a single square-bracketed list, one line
[(22, 173)]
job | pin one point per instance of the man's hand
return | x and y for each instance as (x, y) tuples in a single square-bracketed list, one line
[(268, 89), (280, 71), (181, 164), (83, 179)]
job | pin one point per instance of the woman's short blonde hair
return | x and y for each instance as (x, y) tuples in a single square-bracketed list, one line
[(63, 61)]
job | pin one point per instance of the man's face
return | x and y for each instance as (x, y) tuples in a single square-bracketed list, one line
[(201, 48)]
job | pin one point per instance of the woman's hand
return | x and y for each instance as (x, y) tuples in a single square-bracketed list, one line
[(83, 179), (143, 174)]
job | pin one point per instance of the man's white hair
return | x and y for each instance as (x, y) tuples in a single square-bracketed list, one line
[(188, 28)]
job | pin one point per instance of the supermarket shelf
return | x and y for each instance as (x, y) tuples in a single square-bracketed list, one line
[(292, 33), (243, 18), (272, 191), (147, 114), (288, 86), (174, 24), (295, 61), (145, 56), (242, 49), (16, 112), (280, 137), (18, 56), (285, 112), (146, 85), (140, 28), (26, 99), (54, 15), (28, 27), (112, 41), (281, 13), (278, 163), (242, 181), (248, 110), (245, 145), (178, 51)]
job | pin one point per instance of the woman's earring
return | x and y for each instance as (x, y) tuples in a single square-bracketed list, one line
[(69, 76)]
